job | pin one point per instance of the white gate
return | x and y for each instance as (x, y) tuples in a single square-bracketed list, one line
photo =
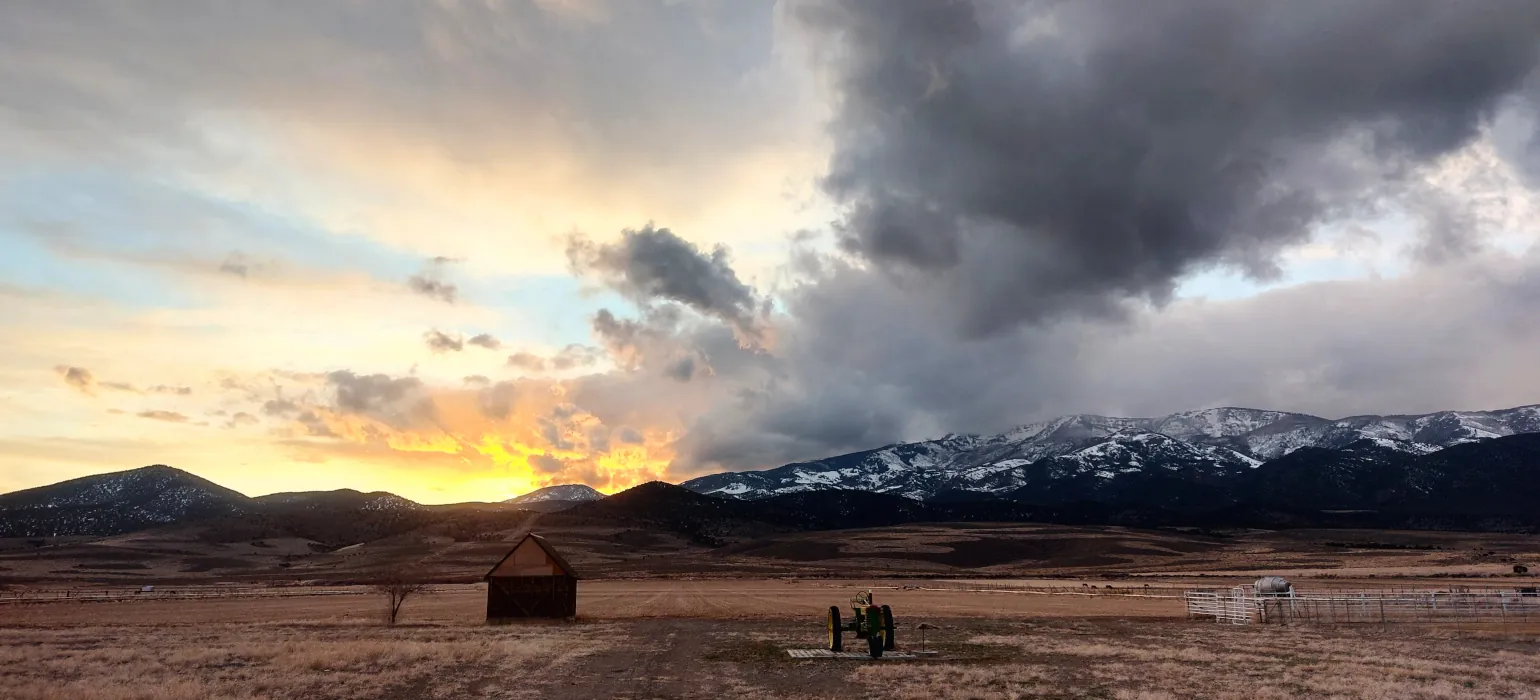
[(1237, 606)]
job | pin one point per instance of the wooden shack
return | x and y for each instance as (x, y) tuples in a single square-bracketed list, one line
[(532, 580)]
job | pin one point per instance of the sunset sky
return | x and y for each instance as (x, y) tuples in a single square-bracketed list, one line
[(458, 250)]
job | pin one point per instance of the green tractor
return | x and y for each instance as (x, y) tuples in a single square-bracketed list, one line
[(873, 623)]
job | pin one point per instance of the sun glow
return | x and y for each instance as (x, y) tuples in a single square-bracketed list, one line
[(481, 445)]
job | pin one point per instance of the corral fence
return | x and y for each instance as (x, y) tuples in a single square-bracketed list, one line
[(1244, 605), (1083, 590), (1237, 606), (45, 595)]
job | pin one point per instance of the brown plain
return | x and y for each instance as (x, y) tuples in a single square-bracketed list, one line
[(725, 640), (979, 550), (1021, 612)]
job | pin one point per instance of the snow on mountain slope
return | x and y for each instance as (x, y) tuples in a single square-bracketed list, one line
[(916, 469), (118, 502), (1213, 441), (563, 492), (1135, 451), (1415, 434), (1219, 422), (345, 498)]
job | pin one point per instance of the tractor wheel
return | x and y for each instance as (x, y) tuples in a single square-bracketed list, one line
[(888, 628), (874, 643), (836, 641)]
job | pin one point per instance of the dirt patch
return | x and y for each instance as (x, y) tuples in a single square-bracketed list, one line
[(793, 551), (112, 566), (201, 564)]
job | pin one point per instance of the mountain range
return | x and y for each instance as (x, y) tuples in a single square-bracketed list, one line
[(1102, 454), (1224, 467), (556, 498)]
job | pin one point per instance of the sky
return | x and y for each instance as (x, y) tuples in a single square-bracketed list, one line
[(462, 249)]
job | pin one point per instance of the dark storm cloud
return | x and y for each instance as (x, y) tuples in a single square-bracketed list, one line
[(576, 356), (280, 407), (314, 425), (527, 361), (573, 356), (552, 430), (235, 267), (398, 402), (1032, 158), (433, 288), (653, 263), (859, 373), (485, 340), (241, 418), (238, 264), (629, 436), (496, 401), (81, 379), (547, 463), (599, 437), (632, 342), (356, 392), (441, 342), (682, 369), (616, 332), (78, 378), (649, 92)]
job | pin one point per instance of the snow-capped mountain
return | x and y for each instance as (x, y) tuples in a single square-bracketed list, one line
[(564, 492), (119, 502), (382, 501), (154, 496), (1200, 445)]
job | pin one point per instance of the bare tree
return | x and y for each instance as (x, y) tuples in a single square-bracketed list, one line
[(1520, 569), (396, 589)]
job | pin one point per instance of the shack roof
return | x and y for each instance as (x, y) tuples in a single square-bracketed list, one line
[(549, 551)]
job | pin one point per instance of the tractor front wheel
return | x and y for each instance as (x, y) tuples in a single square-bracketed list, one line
[(874, 644), (875, 634), (836, 630)]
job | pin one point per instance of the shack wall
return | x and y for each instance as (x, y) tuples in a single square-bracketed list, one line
[(528, 559), (515, 597)]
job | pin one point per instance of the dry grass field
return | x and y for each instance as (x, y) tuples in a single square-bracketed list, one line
[(976, 550), (725, 639), (747, 599), (1021, 611), (692, 658)]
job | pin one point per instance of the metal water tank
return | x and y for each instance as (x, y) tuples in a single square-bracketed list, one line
[(1274, 585)]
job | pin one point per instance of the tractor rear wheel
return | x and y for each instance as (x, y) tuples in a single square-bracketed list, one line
[(836, 630), (888, 628)]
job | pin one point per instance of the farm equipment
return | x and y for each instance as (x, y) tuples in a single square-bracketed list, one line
[(873, 623)]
